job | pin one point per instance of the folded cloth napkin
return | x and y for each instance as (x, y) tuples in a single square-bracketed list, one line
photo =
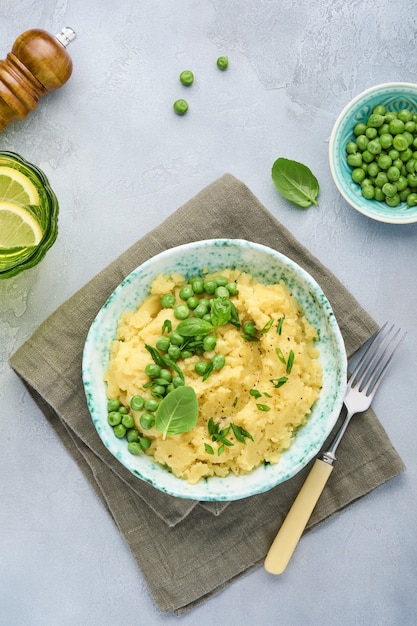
[(188, 550)]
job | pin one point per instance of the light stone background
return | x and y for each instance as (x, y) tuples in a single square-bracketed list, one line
[(120, 162)]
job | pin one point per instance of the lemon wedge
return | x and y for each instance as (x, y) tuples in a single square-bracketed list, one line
[(17, 187), (18, 227)]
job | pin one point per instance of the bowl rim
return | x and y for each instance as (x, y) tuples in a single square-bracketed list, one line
[(181, 488), (346, 109)]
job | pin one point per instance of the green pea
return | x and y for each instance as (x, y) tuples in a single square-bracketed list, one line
[(200, 310), (351, 147), (389, 190), (221, 281), (119, 431), (402, 183), (152, 370), (393, 154), (355, 160), (406, 155), (249, 328), (113, 404), (166, 374), (384, 129), (373, 169), (163, 344), (396, 127), (391, 115), (381, 179), (136, 403), (368, 192), (147, 421), (410, 126), (123, 410), (198, 285), (201, 367), (210, 286), (181, 312), (393, 201), (186, 354), (358, 175), (128, 421), (412, 180), (400, 143), (132, 434), (411, 166), (134, 447), (384, 161), (209, 343), (187, 78), (114, 418), (180, 107), (186, 292), (379, 194), (405, 115), (371, 133), (393, 173), (221, 292), (218, 361), (174, 352), (177, 381), (404, 194), (223, 63), (362, 141), (193, 303), (379, 109), (168, 300), (232, 288), (368, 156), (412, 199), (359, 129), (145, 442), (151, 405), (385, 141), (375, 120), (176, 339)]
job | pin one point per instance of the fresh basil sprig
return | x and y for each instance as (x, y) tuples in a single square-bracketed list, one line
[(178, 412), (296, 182)]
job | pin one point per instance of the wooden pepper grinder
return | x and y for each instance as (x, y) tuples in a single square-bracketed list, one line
[(38, 63)]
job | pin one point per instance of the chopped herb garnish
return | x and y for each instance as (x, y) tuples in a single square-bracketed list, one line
[(266, 327), (263, 407), (279, 325), (290, 362), (278, 382), (221, 436), (255, 393), (167, 326), (280, 355)]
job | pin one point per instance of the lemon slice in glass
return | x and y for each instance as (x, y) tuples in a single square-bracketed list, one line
[(18, 227), (17, 187)]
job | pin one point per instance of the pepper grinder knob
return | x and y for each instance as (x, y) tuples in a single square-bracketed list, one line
[(38, 63)]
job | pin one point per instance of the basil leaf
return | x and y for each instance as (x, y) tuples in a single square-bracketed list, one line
[(194, 326), (221, 311), (178, 412), (296, 182)]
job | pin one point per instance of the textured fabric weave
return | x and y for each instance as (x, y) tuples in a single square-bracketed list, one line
[(188, 550)]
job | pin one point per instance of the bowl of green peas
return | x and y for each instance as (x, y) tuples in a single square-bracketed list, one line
[(373, 153)]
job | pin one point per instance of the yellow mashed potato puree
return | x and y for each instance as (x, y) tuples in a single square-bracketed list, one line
[(266, 387)]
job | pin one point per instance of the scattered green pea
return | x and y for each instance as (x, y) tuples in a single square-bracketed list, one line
[(187, 78), (180, 107), (223, 63)]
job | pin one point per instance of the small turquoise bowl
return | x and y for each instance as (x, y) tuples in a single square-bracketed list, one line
[(267, 266), (394, 96)]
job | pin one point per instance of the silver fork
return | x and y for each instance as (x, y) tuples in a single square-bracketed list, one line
[(360, 391)]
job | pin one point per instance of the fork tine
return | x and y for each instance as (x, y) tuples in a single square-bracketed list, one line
[(384, 361), (376, 359)]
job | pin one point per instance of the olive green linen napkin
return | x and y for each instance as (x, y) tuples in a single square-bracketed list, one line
[(187, 550)]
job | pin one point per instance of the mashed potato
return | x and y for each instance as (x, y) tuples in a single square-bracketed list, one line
[(257, 390)]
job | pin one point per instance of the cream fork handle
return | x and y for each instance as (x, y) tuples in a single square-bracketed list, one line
[(292, 528)]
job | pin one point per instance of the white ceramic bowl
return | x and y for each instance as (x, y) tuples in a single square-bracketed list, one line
[(267, 266), (395, 97)]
